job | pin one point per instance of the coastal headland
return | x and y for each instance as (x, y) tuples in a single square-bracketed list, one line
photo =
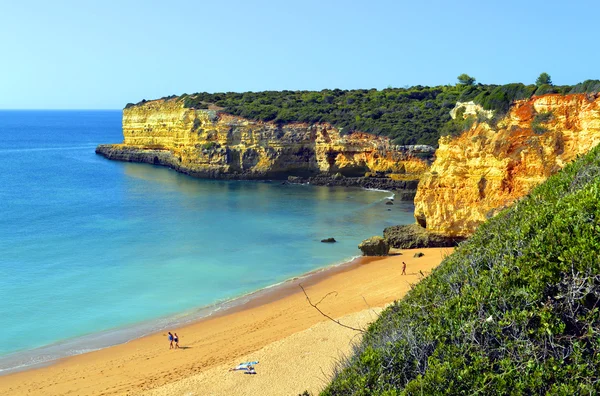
[(297, 347), (212, 144)]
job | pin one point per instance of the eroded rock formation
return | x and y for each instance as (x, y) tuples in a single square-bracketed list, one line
[(206, 143), (374, 246), (413, 236), (488, 167)]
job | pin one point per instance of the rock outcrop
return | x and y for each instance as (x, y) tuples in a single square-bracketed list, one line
[(488, 167), (414, 236), (404, 190), (374, 246), (210, 144)]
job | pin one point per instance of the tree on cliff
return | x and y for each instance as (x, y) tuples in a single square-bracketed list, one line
[(543, 79), (465, 79)]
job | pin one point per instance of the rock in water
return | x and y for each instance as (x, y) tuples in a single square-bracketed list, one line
[(328, 240), (419, 254), (389, 203), (374, 246)]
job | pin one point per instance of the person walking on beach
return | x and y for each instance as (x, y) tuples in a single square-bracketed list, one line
[(176, 339), (170, 340), (403, 268)]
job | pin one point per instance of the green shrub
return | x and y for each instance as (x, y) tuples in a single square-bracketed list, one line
[(546, 89), (539, 120), (515, 309), (588, 86), (500, 98)]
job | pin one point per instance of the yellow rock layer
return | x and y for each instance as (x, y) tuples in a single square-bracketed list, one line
[(212, 144), (487, 168)]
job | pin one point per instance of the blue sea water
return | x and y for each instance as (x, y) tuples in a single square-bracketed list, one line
[(92, 247)]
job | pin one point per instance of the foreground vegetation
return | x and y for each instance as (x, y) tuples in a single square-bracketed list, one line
[(416, 115), (515, 310)]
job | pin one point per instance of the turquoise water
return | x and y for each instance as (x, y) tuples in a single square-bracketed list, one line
[(89, 245)]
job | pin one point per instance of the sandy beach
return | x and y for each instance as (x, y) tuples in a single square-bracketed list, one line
[(297, 346)]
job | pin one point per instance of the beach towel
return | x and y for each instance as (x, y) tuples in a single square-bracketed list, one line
[(245, 366), (248, 363)]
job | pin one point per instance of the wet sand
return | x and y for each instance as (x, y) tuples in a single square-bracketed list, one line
[(296, 345)]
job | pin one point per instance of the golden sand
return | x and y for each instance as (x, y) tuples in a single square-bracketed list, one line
[(297, 346)]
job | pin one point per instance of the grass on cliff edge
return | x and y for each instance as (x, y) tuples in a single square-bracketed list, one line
[(513, 311)]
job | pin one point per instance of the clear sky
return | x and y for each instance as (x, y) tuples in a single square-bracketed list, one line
[(103, 54)]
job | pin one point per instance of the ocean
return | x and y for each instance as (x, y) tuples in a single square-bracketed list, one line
[(95, 252)]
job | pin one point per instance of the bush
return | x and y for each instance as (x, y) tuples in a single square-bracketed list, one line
[(515, 309), (539, 120), (588, 86), (546, 89), (500, 98)]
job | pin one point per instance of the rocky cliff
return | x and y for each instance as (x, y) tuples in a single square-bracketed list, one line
[(208, 143), (488, 167)]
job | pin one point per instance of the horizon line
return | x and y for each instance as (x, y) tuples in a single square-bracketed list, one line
[(58, 109)]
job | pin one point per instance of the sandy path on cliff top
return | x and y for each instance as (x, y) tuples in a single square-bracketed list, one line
[(296, 346)]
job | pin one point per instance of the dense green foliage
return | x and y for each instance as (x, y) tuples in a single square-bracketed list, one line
[(409, 116), (416, 115), (588, 86), (515, 310)]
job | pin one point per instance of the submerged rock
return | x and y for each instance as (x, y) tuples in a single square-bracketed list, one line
[(374, 246), (328, 240), (414, 236), (389, 203)]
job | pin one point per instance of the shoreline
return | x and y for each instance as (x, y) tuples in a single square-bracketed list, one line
[(146, 363), (48, 355)]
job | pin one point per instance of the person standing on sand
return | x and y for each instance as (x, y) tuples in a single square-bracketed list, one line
[(170, 340), (403, 268), (176, 339)]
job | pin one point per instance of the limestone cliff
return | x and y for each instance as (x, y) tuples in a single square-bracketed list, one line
[(488, 167), (208, 143)]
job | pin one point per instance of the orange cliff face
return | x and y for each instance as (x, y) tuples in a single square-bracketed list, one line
[(485, 169), (207, 143)]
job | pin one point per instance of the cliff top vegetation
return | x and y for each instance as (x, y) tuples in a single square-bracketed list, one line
[(515, 310), (412, 115)]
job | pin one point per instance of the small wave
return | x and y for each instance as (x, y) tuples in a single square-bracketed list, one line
[(378, 190)]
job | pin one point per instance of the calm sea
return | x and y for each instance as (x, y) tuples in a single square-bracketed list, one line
[(95, 252)]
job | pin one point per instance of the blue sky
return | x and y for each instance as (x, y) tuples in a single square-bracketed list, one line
[(103, 54)]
